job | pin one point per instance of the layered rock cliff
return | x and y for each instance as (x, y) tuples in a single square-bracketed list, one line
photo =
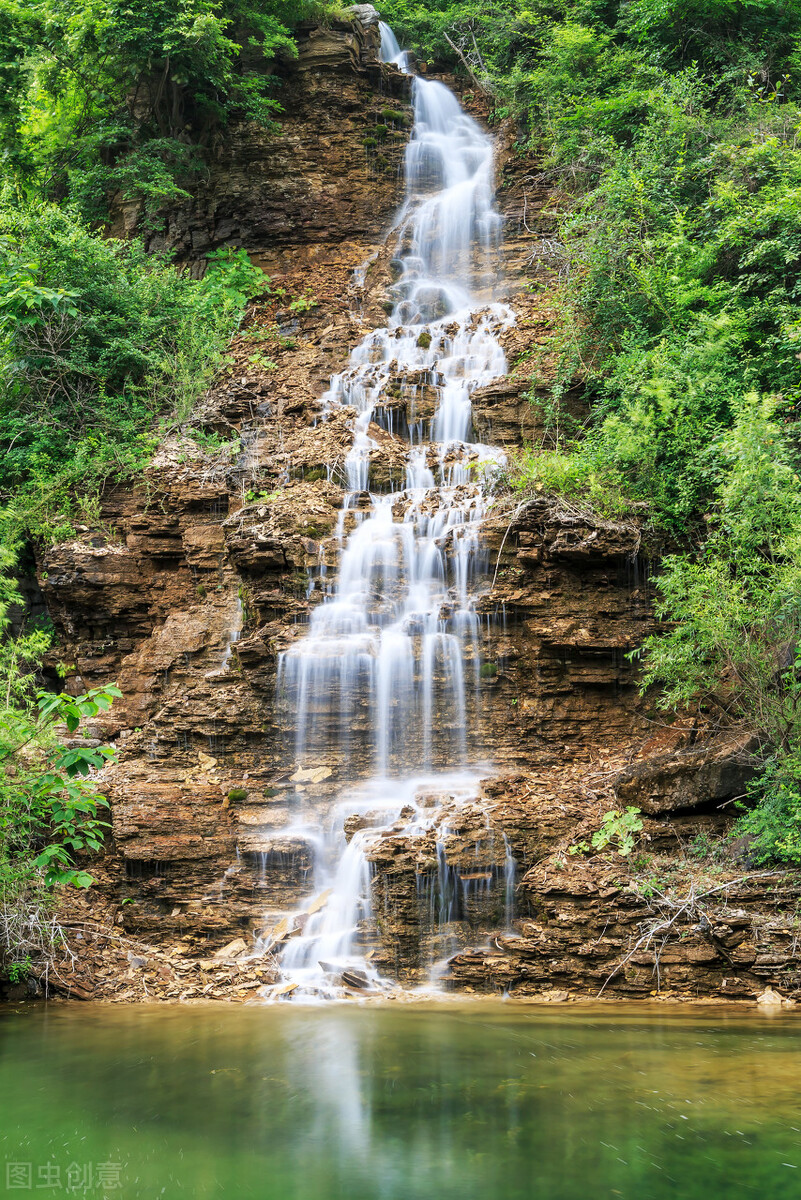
[(194, 581)]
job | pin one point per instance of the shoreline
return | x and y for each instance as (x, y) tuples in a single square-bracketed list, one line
[(429, 1001)]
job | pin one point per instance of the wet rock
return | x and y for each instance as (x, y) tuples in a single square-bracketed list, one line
[(503, 413), (283, 989), (311, 775), (355, 979)]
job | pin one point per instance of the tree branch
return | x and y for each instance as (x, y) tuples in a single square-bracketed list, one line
[(482, 87)]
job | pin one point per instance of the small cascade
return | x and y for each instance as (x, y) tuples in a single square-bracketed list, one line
[(385, 680), (389, 50), (471, 887), (332, 938), (232, 636)]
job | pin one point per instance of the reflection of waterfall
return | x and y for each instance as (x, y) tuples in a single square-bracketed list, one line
[(386, 677), (342, 1112)]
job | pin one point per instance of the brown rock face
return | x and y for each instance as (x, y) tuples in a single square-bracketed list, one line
[(574, 597), (334, 164), (698, 777), (196, 581)]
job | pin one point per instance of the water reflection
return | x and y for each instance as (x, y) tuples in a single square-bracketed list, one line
[(392, 1103)]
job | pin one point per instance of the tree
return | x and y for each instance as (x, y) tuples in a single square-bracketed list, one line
[(103, 97)]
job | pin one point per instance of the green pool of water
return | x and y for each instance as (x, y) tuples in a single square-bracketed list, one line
[(399, 1103)]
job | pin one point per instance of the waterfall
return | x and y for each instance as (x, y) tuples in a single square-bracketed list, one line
[(389, 50), (232, 636), (388, 670)]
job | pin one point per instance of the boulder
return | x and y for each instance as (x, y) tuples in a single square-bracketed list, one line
[(365, 14), (703, 775)]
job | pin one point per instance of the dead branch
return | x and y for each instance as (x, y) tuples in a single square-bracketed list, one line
[(662, 926), (482, 86)]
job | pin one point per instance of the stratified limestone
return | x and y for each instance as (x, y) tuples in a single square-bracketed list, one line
[(193, 583), (333, 166)]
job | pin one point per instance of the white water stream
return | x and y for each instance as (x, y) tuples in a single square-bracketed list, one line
[(390, 51), (393, 648)]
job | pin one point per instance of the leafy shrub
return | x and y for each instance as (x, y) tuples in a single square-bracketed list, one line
[(392, 116), (304, 303), (773, 826), (97, 339), (735, 613), (619, 829), (736, 605), (50, 804), (49, 810), (122, 101)]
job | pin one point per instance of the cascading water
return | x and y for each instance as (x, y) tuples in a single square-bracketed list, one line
[(389, 666), (389, 50), (232, 636)]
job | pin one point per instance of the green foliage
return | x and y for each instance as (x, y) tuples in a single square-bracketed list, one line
[(718, 33), (304, 303), (230, 280), (261, 497), (568, 474), (262, 361), (708, 848), (213, 442), (735, 614), (489, 37), (269, 333), (736, 604), (619, 829), (580, 46), (772, 828), (97, 340), (19, 971), (686, 299), (108, 101), (393, 116), (49, 801)]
